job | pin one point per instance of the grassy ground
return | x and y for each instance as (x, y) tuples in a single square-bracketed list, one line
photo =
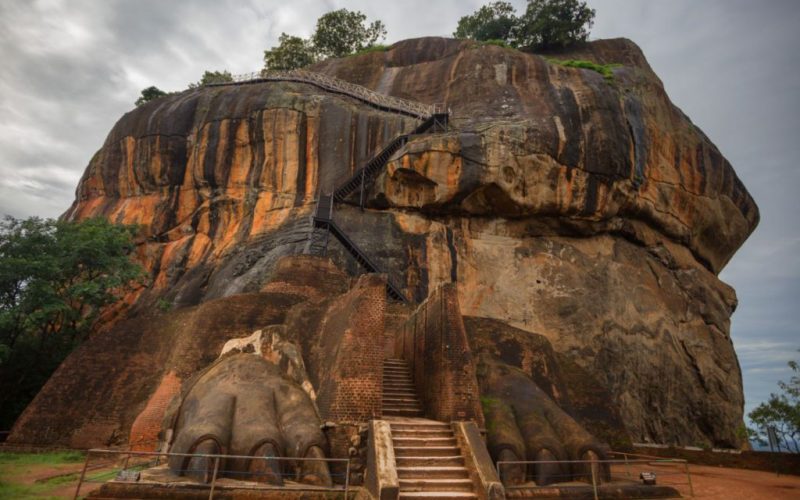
[(39, 475)]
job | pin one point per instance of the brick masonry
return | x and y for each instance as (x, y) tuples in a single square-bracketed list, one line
[(434, 343), (353, 342), (146, 427)]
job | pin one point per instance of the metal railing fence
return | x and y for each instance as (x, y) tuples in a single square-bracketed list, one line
[(594, 473), (126, 466), (419, 110)]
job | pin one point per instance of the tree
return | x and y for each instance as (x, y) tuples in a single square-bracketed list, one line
[(550, 24), (55, 279), (149, 94), (292, 52), (496, 21), (342, 32), (212, 77), (781, 411)]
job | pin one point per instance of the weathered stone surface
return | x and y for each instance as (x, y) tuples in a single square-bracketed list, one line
[(588, 213)]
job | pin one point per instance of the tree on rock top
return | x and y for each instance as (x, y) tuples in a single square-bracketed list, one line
[(546, 24), (212, 77), (338, 34), (149, 94), (342, 32), (496, 21), (292, 52), (549, 24)]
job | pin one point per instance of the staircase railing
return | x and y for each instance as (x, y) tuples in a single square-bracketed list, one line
[(333, 84), (323, 221), (433, 116)]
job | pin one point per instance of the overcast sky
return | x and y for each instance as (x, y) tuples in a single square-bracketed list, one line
[(70, 69)]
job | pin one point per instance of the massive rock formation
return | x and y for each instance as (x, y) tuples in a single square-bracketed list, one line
[(590, 214)]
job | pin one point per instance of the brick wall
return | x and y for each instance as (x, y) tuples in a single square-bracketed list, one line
[(434, 343), (352, 339), (145, 429)]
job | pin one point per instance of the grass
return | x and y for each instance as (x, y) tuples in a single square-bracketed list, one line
[(607, 70), (15, 466)]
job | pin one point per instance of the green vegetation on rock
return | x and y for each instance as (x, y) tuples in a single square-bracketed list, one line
[(150, 93), (607, 70)]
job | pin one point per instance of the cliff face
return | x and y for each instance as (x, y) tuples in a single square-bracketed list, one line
[(589, 212)]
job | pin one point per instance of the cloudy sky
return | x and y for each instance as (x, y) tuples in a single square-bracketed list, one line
[(70, 69)]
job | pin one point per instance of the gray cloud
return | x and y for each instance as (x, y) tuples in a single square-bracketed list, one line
[(71, 69)]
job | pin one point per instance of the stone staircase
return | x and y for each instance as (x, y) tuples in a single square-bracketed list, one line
[(428, 460), (399, 394)]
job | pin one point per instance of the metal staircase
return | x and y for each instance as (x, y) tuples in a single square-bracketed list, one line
[(434, 118), (437, 121), (324, 226)]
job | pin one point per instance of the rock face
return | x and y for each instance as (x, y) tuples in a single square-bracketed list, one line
[(590, 214)]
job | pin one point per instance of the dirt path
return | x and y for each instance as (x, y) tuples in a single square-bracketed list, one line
[(740, 484)]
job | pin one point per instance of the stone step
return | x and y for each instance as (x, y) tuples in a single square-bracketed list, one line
[(397, 379), (401, 401), (402, 408), (403, 412), (446, 495), (427, 461), (429, 451), (399, 384), (432, 473), (426, 484), (423, 433), (421, 425), (400, 394), (396, 368), (417, 442), (399, 388)]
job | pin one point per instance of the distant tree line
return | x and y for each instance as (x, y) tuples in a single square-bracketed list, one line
[(781, 412), (545, 24)]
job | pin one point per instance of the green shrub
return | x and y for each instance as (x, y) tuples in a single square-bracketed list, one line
[(607, 70), (378, 47)]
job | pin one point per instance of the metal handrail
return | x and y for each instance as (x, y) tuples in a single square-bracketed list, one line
[(624, 461), (334, 84), (216, 457)]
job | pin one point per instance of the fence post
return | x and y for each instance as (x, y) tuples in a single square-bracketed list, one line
[(347, 480), (127, 459), (594, 479), (689, 478), (627, 465), (83, 474), (214, 478)]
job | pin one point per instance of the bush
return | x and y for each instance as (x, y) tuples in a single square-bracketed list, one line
[(607, 70)]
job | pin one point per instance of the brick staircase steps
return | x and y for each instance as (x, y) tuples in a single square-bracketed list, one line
[(399, 394), (428, 460)]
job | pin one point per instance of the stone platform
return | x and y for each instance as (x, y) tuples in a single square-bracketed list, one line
[(579, 491)]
